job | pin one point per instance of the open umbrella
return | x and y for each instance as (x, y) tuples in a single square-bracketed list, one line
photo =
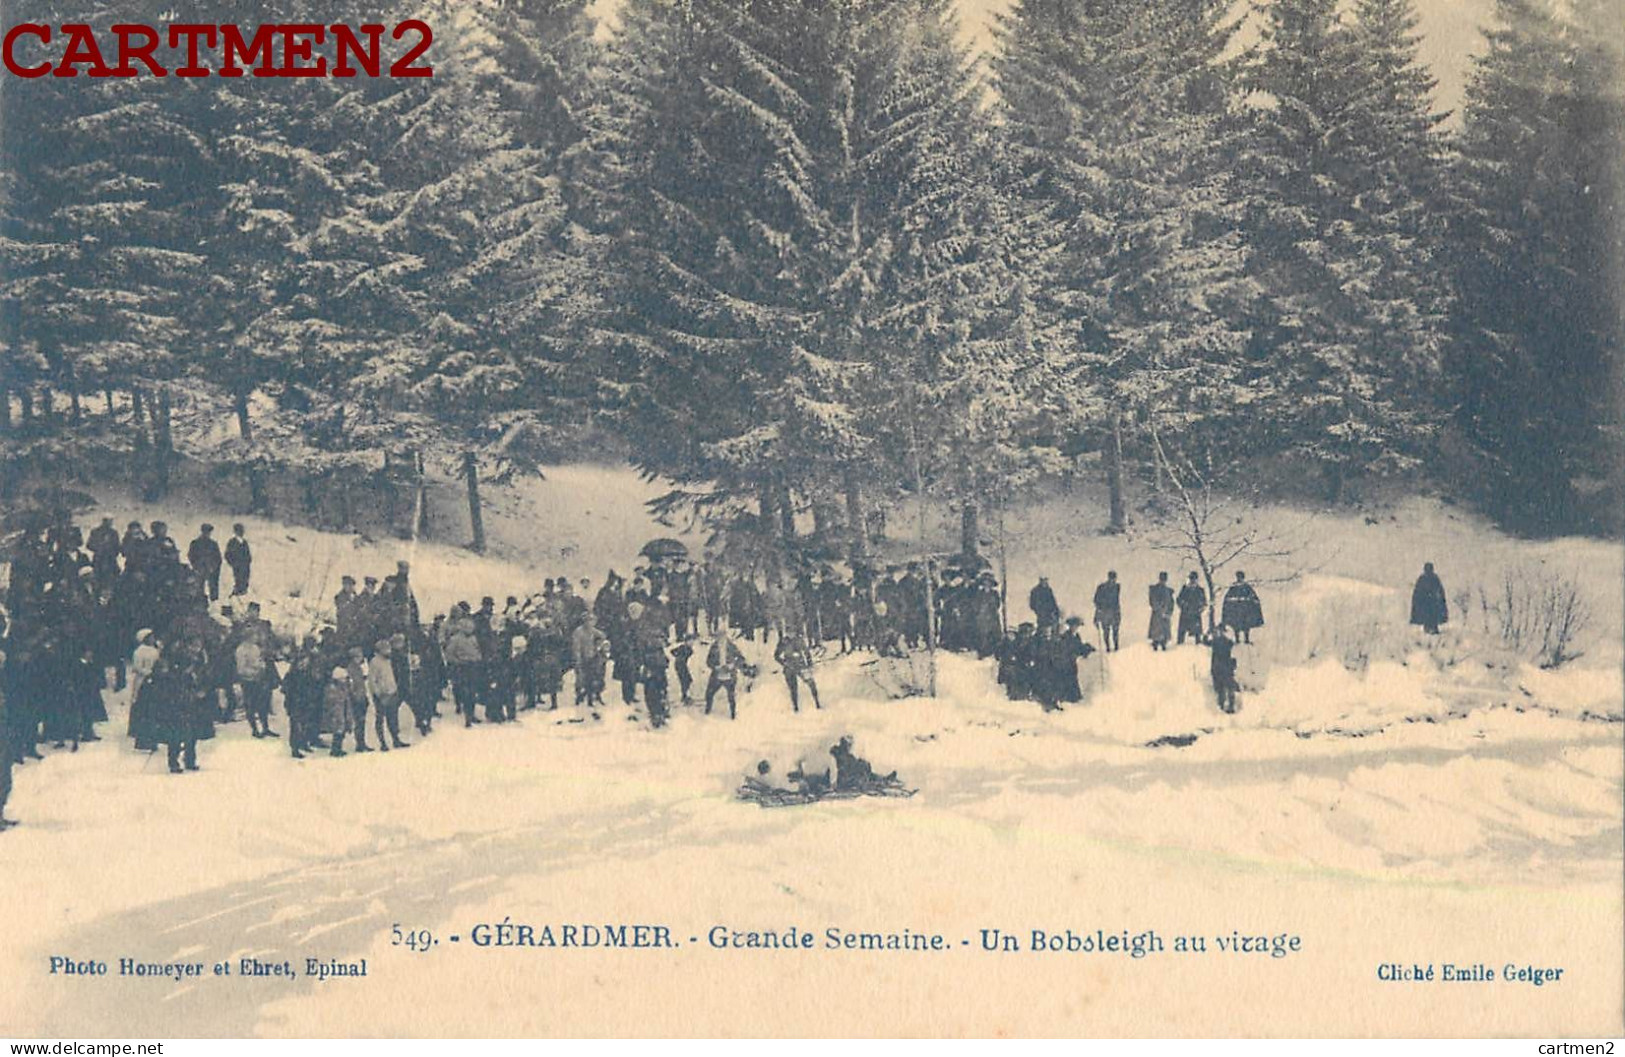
[(665, 548)]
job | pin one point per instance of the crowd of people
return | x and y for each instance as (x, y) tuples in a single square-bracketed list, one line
[(1038, 660), (82, 607), (134, 607)]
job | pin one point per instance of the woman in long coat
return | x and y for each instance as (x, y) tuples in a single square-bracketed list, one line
[(1242, 610), (1428, 606)]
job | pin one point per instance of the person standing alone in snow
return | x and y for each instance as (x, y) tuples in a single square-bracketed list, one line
[(1428, 606)]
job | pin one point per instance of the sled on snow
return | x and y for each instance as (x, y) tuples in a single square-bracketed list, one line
[(797, 797)]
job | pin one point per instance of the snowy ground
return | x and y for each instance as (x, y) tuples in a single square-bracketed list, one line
[(1446, 802)]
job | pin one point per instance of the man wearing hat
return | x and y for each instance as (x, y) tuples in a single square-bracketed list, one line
[(369, 615), (203, 555), (1192, 601), (1109, 611), (241, 559), (1161, 598), (404, 616), (344, 611)]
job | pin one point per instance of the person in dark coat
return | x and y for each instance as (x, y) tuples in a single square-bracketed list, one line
[(182, 704), (1223, 669), (136, 548), (1192, 601), (681, 655), (241, 559), (203, 555), (1428, 606), (1008, 655), (986, 618), (1072, 650), (1242, 610), (852, 772), (301, 698), (1109, 611), (104, 552), (1161, 598), (1042, 601), (346, 613), (1045, 676)]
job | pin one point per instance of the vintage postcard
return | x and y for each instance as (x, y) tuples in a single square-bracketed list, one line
[(812, 518)]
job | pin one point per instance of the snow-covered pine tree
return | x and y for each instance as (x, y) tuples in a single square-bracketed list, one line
[(1346, 360), (819, 289), (98, 255), (748, 260), (955, 334), (469, 232), (275, 181), (1119, 120), (1537, 335)]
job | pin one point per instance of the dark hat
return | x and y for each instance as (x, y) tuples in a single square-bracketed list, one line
[(347, 579), (371, 579), (206, 527)]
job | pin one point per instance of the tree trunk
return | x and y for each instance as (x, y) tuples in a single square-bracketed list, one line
[(970, 528), (25, 397), (857, 519), (1114, 477), (476, 518), (787, 514), (770, 526), (1332, 474), (76, 411), (259, 501), (138, 417), (245, 427), (107, 396), (5, 408), (47, 405), (163, 445)]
